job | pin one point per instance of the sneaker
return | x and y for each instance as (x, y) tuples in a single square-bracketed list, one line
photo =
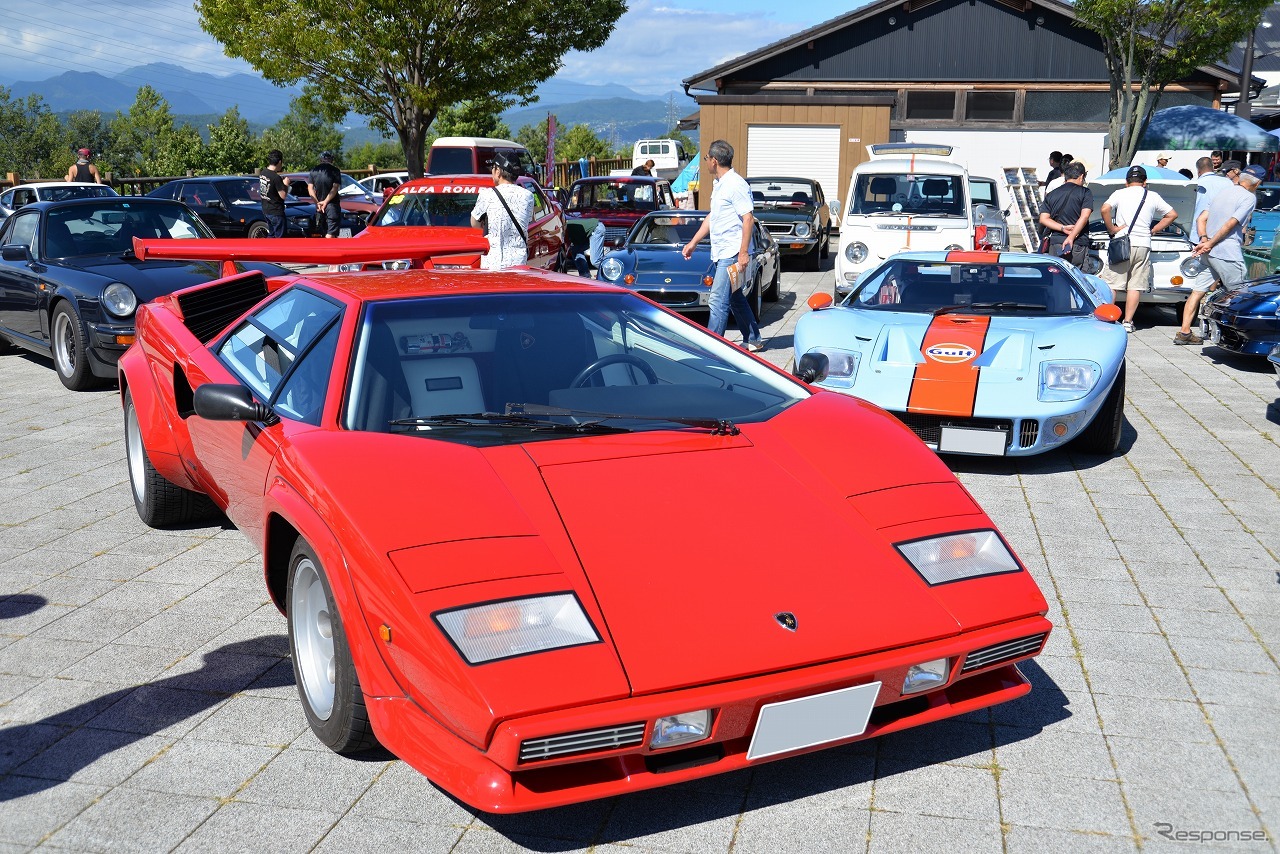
[(1128, 325), (755, 346), (1187, 338)]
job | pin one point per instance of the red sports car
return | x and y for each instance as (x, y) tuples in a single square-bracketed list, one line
[(502, 513)]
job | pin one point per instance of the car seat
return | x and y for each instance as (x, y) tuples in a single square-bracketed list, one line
[(933, 189), (385, 396), (799, 198), (443, 385), (58, 240)]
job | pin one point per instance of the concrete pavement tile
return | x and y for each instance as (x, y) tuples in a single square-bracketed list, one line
[(203, 768), (23, 613), (1106, 569), (959, 742), (1250, 601), (40, 656), (1255, 690), (1122, 618), (891, 831), (940, 790), (32, 810), (71, 589), (130, 820), (98, 756), (355, 832), (1040, 800), (839, 778), (176, 631), (400, 791), (247, 828), (477, 840), (1141, 716), (1202, 596), (1076, 590), (112, 566), (1063, 672), (297, 776), (578, 824), (92, 623), (1187, 766), (117, 662), (822, 827), (28, 538), (38, 559), (19, 742), (144, 596), (674, 819), (1154, 808), (65, 702), (1249, 657), (157, 710), (1054, 750), (186, 569), (1138, 679), (88, 541), (1036, 840), (13, 686), (1124, 646), (263, 721)]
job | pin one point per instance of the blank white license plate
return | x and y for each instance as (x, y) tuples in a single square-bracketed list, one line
[(970, 440), (344, 232), (810, 721)]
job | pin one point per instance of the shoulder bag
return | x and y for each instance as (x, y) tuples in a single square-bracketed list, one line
[(1119, 249), (520, 230)]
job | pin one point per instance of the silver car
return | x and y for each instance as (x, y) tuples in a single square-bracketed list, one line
[(48, 191)]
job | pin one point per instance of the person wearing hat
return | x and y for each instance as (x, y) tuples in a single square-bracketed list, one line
[(84, 171), (325, 181), (1162, 160), (1222, 245), (507, 208), (1065, 215), (1138, 213)]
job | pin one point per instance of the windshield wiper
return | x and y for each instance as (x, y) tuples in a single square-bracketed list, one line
[(717, 426), (1006, 304), (498, 419)]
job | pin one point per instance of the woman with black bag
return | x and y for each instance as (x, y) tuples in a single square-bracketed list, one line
[(508, 210)]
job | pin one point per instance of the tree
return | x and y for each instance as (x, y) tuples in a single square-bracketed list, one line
[(477, 117), (303, 133), (31, 139), (534, 138), (381, 155), (399, 62), (85, 129), (1153, 42), (145, 141), (581, 141), (231, 148)]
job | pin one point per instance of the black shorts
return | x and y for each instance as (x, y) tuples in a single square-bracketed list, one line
[(330, 220)]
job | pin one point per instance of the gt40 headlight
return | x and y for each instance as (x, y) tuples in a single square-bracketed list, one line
[(856, 252), (611, 268), (1067, 380), (955, 557), (497, 630), (119, 299), (803, 229), (842, 368)]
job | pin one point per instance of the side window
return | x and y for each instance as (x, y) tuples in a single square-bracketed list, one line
[(198, 194), (540, 207), (302, 394), (6, 199), (23, 197), (23, 231), (264, 350)]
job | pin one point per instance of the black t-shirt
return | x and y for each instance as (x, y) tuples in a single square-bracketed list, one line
[(1066, 202), (270, 186), (324, 177)]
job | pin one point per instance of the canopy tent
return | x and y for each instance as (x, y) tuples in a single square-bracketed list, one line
[(1191, 128), (689, 173), (1154, 173)]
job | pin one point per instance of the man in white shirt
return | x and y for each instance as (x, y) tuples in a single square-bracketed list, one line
[(1131, 212), (1208, 185)]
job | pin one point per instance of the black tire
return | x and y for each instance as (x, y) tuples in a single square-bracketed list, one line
[(775, 286), (757, 298), (342, 723), (258, 229), (813, 259), (826, 243), (70, 348), (160, 502), (1102, 436)]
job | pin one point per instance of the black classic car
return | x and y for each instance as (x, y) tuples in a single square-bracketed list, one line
[(70, 282), (1244, 319), (232, 206), (796, 213)]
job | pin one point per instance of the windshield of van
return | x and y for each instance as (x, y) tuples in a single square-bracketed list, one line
[(909, 193), (450, 161)]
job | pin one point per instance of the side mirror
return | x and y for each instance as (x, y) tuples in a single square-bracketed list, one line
[(813, 367), (213, 203), (1110, 312), (820, 300), (15, 252), (834, 205), (230, 402)]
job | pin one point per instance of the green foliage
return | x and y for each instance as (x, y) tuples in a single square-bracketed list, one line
[(476, 117), (399, 62), (145, 141), (534, 138), (31, 138), (1150, 43), (231, 148), (581, 141), (84, 129), (384, 156), (303, 133)]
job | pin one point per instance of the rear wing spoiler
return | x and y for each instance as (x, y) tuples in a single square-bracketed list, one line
[(445, 240)]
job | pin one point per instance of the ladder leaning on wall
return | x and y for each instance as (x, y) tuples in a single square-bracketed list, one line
[(1024, 189)]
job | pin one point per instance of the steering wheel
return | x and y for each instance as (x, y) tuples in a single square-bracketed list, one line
[(616, 359), (900, 198)]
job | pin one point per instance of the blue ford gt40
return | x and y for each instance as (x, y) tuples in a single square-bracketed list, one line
[(987, 353)]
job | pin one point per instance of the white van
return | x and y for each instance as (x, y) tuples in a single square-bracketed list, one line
[(908, 196), (668, 156)]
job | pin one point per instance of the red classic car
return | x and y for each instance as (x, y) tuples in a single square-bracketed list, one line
[(416, 209), (619, 202), (442, 471)]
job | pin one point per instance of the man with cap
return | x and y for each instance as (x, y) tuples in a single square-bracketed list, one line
[(1138, 213), (1222, 225), (325, 181), (84, 171), (1065, 215), (505, 212), (1162, 160)]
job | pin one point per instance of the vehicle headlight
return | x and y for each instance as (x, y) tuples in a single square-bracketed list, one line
[(842, 366), (922, 677), (1067, 380), (498, 630), (346, 268), (611, 268), (803, 229), (398, 264), (955, 247), (955, 557), (119, 299), (856, 252), (681, 729)]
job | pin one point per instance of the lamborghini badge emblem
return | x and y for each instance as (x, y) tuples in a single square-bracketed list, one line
[(787, 620)]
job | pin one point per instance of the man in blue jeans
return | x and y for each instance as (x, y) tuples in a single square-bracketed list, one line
[(729, 222)]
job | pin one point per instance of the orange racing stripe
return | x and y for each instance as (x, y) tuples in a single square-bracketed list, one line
[(946, 382)]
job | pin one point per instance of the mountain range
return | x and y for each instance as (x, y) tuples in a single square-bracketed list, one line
[(610, 109)]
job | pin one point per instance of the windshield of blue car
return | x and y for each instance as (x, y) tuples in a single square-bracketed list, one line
[(447, 205), (108, 228), (769, 193), (675, 230), (1027, 288), (909, 193), (611, 360)]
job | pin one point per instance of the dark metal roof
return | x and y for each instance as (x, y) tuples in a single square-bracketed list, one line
[(934, 41), (1266, 44)]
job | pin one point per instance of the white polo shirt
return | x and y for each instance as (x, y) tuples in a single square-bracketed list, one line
[(730, 202)]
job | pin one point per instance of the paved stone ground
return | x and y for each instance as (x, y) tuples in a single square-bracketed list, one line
[(147, 703)]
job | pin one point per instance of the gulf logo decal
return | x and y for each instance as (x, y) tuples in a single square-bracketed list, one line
[(946, 382), (950, 353)]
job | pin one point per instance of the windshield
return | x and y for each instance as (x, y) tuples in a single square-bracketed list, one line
[(769, 193), (109, 228), (58, 194), (668, 230), (984, 193), (1032, 289), (448, 205), (419, 361), (244, 192), (918, 194), (620, 195)]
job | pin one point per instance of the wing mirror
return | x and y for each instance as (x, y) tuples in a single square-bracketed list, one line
[(15, 252), (820, 300), (834, 205), (230, 402), (1110, 312), (213, 203), (813, 367)]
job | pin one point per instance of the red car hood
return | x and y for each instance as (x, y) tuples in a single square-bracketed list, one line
[(696, 554)]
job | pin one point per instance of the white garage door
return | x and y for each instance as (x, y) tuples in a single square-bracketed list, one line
[(796, 152)]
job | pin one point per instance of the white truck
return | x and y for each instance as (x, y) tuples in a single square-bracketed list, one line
[(668, 156), (907, 196)]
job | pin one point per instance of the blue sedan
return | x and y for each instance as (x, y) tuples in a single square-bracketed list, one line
[(980, 353), (1246, 319), (650, 263)]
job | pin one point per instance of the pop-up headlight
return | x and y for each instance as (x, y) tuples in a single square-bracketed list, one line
[(954, 557), (497, 630)]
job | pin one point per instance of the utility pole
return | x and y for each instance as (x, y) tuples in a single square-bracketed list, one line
[(1243, 110)]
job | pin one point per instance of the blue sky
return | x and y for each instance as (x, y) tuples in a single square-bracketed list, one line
[(655, 45)]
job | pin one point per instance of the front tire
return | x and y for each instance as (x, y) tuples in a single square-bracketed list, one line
[(775, 285), (258, 230), (813, 259), (70, 348), (1102, 436), (322, 665), (160, 503), (757, 298)]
